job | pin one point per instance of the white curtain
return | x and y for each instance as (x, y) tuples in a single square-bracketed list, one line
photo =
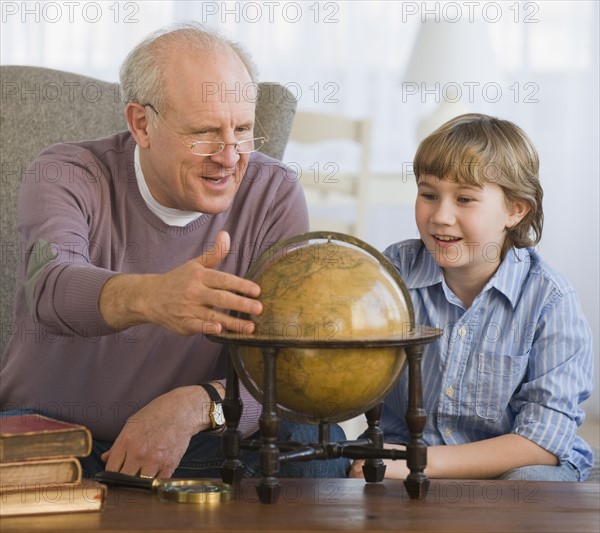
[(352, 57)]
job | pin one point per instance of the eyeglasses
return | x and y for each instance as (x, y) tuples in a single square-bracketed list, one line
[(209, 148)]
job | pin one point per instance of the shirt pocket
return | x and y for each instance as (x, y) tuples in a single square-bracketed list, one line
[(498, 376)]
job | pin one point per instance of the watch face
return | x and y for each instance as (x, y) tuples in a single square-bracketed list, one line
[(218, 418)]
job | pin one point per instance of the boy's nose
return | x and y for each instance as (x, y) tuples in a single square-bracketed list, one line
[(443, 214)]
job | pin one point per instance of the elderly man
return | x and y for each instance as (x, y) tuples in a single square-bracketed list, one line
[(138, 250)]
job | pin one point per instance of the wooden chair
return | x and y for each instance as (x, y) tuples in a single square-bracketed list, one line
[(330, 187), (41, 107)]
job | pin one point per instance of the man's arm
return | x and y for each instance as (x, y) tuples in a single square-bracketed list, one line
[(155, 438), (185, 300)]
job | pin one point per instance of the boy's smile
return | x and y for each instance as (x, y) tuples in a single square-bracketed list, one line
[(446, 240)]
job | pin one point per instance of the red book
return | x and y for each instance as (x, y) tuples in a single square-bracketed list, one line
[(33, 436)]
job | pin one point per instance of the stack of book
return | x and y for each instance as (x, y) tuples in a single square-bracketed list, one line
[(39, 467)]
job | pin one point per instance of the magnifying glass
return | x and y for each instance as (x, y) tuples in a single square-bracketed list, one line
[(177, 490)]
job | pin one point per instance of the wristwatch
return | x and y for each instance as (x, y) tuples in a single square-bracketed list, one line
[(215, 412)]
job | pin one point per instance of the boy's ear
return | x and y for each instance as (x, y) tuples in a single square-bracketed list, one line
[(517, 210), (137, 122)]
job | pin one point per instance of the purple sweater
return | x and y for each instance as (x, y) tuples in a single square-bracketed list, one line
[(82, 219)]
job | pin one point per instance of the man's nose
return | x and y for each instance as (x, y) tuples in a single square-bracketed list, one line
[(228, 157)]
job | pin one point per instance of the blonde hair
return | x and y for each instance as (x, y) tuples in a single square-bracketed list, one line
[(474, 149)]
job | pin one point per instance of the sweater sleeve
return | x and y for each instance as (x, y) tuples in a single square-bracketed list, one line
[(58, 201)]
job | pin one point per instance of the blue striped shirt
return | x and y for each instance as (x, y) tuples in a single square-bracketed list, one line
[(519, 360)]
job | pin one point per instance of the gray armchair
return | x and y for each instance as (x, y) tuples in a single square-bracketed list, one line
[(42, 106)]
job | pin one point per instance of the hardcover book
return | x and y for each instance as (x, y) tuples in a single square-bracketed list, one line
[(25, 499), (40, 471), (33, 436)]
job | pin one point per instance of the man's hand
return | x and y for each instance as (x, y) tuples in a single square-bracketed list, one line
[(193, 298), (154, 439)]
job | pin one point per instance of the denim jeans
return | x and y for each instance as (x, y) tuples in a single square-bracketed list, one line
[(204, 455), (564, 472)]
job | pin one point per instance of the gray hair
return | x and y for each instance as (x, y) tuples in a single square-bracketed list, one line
[(142, 72)]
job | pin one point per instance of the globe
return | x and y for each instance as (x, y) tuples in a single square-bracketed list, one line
[(330, 302)]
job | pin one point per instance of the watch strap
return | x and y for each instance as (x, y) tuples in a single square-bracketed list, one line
[(212, 392)]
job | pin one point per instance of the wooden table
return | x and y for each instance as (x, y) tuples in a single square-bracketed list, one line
[(347, 505)]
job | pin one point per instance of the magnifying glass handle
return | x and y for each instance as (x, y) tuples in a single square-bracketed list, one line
[(124, 480)]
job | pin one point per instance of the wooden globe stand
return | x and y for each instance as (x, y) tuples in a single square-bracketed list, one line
[(369, 447)]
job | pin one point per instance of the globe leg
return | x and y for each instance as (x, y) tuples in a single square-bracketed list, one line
[(374, 469), (269, 488), (416, 483), (232, 469)]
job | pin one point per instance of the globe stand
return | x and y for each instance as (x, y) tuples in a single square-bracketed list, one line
[(370, 447)]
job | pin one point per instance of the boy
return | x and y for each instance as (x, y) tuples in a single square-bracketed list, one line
[(502, 386)]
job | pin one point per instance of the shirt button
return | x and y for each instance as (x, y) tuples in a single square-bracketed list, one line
[(448, 432), (450, 391), (462, 331)]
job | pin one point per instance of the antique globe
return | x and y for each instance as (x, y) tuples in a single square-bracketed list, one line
[(331, 304)]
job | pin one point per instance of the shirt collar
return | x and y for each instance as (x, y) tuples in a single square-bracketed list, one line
[(511, 274), (425, 272), (508, 279)]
